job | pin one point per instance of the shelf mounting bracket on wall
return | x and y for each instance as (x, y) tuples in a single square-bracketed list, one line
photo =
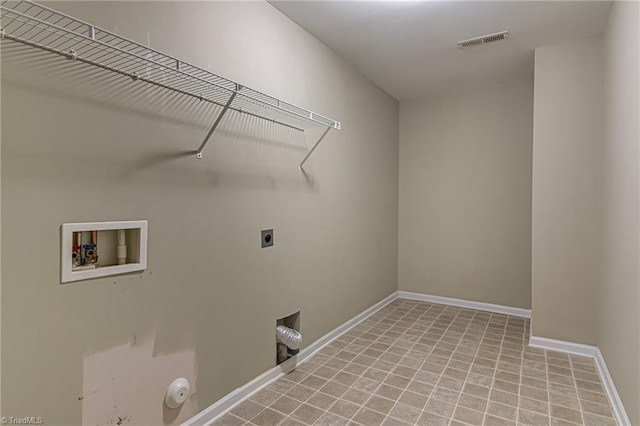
[(38, 26), (215, 124), (313, 148)]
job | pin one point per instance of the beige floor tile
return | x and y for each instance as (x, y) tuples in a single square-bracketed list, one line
[(413, 399), (229, 420), (468, 416), (268, 417), (567, 414), (497, 421), (289, 421), (285, 405), (354, 369), (507, 412), (389, 392), (451, 383), (563, 390), (247, 410), (328, 419), (326, 372), (300, 392), (440, 408), (375, 374), (472, 402), (397, 381), (479, 379), (265, 397), (281, 386), (594, 420), (430, 419), (564, 401), (506, 386), (475, 390), (533, 405), (307, 414), (366, 385), (590, 386), (534, 383), (594, 408), (313, 382), (504, 397), (534, 393), (380, 404), (355, 396), (344, 408), (583, 375), (561, 422), (334, 389), (598, 398), (321, 400), (446, 395), (530, 418), (418, 363), (369, 417), (405, 412)]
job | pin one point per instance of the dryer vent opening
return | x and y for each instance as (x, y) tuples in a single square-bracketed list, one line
[(288, 337)]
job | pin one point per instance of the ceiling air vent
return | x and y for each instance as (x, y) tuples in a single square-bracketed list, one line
[(483, 39)]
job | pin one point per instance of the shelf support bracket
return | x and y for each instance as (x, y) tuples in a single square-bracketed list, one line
[(213, 128), (314, 147)]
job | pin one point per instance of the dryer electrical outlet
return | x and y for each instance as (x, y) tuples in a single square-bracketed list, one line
[(266, 237)]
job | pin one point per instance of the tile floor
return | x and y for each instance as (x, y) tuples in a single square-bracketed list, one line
[(427, 364)]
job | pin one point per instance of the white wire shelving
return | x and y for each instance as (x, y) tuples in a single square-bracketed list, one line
[(41, 27)]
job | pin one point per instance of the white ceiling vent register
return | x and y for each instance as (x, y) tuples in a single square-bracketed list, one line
[(478, 41)]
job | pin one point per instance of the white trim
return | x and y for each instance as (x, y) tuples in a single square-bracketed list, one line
[(610, 388), (593, 352), (562, 346), (480, 306), (222, 406)]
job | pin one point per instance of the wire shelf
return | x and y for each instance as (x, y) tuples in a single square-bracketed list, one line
[(41, 27)]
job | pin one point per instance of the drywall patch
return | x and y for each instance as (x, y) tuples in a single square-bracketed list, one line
[(126, 385)]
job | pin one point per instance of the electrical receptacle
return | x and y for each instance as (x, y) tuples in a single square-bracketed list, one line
[(266, 237)]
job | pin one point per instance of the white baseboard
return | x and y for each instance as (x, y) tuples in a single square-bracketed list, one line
[(222, 406), (593, 352), (610, 388), (480, 306), (562, 346)]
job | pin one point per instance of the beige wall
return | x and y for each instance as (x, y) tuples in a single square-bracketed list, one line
[(618, 328), (80, 147), (586, 201), (465, 196), (0, 243), (566, 194)]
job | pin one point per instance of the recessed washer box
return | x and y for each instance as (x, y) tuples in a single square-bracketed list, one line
[(106, 241)]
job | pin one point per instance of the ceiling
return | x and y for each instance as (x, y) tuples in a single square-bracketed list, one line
[(408, 48)]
